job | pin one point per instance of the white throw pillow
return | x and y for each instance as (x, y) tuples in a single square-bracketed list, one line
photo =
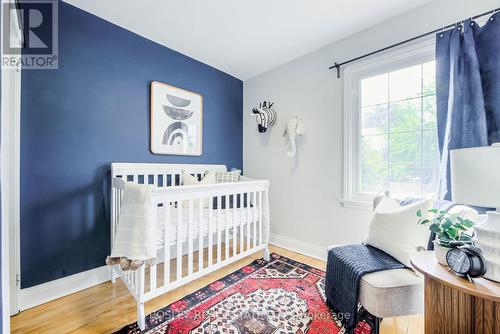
[(227, 177), (395, 230)]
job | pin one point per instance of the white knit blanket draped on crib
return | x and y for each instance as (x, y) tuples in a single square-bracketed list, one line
[(135, 233)]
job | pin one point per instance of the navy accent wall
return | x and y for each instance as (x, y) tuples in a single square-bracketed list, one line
[(92, 111)]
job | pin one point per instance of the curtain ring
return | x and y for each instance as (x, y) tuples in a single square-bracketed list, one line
[(441, 34)]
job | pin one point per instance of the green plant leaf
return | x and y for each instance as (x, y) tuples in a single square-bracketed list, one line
[(452, 232), (447, 224), (419, 213), (433, 210), (468, 223), (435, 228), (424, 221)]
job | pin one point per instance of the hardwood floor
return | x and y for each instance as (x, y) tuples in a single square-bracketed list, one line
[(108, 307)]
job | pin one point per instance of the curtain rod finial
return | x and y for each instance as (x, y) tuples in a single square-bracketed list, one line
[(337, 66)]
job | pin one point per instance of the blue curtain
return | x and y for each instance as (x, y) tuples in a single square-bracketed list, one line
[(467, 89)]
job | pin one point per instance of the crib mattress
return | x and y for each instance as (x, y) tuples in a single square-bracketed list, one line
[(230, 217)]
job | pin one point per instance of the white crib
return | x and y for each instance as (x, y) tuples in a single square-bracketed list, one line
[(230, 219)]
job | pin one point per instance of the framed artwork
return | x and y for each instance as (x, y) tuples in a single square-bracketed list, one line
[(176, 120)]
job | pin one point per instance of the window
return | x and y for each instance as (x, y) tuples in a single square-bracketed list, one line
[(390, 125)]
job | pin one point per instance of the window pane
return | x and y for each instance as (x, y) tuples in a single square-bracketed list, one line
[(374, 178), (405, 178), (404, 148), (429, 78), (374, 120), (430, 148), (430, 178), (398, 136), (374, 170), (374, 90), (405, 83), (406, 115), (429, 112), (430, 159)]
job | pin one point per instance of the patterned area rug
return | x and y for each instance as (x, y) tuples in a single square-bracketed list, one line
[(281, 296)]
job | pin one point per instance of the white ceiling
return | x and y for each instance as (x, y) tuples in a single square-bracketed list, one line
[(245, 38)]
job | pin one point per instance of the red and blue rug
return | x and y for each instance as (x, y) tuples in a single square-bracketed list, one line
[(281, 296)]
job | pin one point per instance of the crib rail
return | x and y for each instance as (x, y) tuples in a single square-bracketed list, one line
[(205, 227)]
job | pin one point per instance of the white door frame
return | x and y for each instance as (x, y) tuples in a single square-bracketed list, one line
[(10, 176)]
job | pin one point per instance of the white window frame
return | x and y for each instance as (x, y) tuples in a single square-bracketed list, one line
[(404, 56)]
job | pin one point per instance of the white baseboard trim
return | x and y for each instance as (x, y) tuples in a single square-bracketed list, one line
[(43, 293), (299, 246)]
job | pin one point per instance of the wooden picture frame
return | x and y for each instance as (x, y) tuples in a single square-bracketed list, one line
[(176, 120)]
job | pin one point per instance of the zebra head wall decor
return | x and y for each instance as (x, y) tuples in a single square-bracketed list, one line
[(264, 115)]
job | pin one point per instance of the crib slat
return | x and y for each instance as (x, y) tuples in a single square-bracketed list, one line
[(242, 231), (166, 245), (200, 235), (152, 277), (254, 219), (219, 241), (179, 240), (233, 224), (226, 230), (248, 220), (190, 238), (117, 206), (113, 214), (210, 232), (139, 280), (261, 207)]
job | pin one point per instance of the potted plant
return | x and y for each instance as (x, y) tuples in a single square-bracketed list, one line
[(448, 228)]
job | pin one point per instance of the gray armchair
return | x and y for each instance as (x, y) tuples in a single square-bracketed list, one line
[(391, 293)]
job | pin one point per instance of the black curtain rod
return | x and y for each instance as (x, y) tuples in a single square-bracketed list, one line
[(338, 65)]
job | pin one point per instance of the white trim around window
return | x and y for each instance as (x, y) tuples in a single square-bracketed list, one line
[(401, 57)]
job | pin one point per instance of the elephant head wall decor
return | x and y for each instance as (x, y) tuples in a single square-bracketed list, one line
[(294, 129), (264, 115)]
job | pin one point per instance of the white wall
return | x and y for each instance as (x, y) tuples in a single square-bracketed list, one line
[(305, 191)]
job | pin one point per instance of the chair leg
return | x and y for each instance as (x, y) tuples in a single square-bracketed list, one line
[(377, 325)]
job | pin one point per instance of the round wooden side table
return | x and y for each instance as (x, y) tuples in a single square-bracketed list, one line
[(453, 304)]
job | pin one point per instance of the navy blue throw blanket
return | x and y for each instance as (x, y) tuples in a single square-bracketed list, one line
[(346, 265)]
